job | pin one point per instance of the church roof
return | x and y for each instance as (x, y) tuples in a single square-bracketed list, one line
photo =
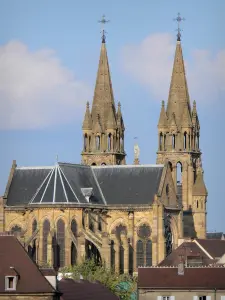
[(78, 184)]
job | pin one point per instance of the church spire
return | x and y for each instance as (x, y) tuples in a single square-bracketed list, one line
[(178, 93), (87, 123), (104, 143)]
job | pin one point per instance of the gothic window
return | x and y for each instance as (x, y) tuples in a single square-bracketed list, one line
[(197, 203), (103, 164), (144, 246), (61, 242), (85, 142), (161, 141), (83, 219), (148, 253), (131, 255), (179, 172), (197, 141), (74, 227), (73, 254), (109, 142), (121, 261), (34, 226), (120, 229), (164, 146), (185, 140), (112, 255), (167, 191), (93, 164), (144, 231), (140, 253), (89, 143), (168, 235), (189, 141), (16, 230), (173, 141), (97, 142), (46, 230)]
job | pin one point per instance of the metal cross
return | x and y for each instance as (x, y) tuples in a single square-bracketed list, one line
[(103, 21), (179, 19)]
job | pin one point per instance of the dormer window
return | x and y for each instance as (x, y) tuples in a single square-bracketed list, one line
[(10, 283)]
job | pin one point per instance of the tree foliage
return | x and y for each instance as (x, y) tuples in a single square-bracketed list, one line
[(121, 285)]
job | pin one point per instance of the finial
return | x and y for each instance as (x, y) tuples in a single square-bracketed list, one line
[(194, 103), (179, 19), (119, 104), (163, 103), (87, 104), (103, 21)]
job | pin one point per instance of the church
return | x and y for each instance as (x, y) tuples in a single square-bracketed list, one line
[(124, 215)]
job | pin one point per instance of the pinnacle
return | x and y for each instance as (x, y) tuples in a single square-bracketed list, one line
[(163, 117), (87, 123)]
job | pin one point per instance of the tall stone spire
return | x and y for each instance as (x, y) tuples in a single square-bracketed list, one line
[(104, 144), (178, 93), (179, 144)]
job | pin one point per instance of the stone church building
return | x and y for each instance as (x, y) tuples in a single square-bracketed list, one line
[(125, 215)]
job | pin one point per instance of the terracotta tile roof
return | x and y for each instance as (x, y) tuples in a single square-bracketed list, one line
[(84, 289), (31, 280), (195, 278), (216, 248)]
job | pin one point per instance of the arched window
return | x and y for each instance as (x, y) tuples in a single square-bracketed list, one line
[(112, 255), (161, 141), (185, 140), (197, 203), (179, 172), (93, 164), (121, 144), (173, 141), (103, 164), (74, 227), (85, 142), (46, 230), (189, 141), (97, 142), (164, 145), (109, 142), (34, 226), (121, 265), (148, 253), (197, 141), (131, 258), (140, 254), (61, 242), (171, 166), (73, 254)]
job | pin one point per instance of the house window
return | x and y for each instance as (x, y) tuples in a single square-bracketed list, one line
[(202, 297), (166, 298), (10, 283)]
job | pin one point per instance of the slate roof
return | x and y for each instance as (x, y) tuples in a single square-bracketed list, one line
[(65, 183), (215, 248), (31, 280), (215, 235), (84, 289), (199, 278)]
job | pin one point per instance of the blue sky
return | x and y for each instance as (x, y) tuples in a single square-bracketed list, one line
[(49, 53)]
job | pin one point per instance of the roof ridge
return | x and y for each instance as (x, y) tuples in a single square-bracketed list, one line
[(128, 166)]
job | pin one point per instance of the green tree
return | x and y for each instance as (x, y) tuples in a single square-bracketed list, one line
[(122, 285)]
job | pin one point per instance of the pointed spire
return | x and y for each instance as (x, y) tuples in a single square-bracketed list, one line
[(119, 118), (103, 101), (163, 122), (186, 121), (111, 121), (178, 93), (87, 123), (199, 188)]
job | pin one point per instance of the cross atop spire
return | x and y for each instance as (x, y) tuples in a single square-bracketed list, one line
[(103, 21), (179, 19)]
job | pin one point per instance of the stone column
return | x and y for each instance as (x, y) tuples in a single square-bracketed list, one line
[(68, 242), (49, 250), (126, 252), (40, 248), (81, 248), (117, 254), (161, 238), (106, 249)]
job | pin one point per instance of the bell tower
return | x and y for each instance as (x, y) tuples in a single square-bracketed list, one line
[(178, 143), (103, 126)]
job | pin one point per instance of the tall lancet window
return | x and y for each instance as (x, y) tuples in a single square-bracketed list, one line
[(173, 141), (109, 142), (46, 230), (161, 141), (185, 140), (97, 142), (61, 242), (85, 142)]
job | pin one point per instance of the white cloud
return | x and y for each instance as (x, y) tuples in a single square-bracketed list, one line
[(36, 91), (151, 62)]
